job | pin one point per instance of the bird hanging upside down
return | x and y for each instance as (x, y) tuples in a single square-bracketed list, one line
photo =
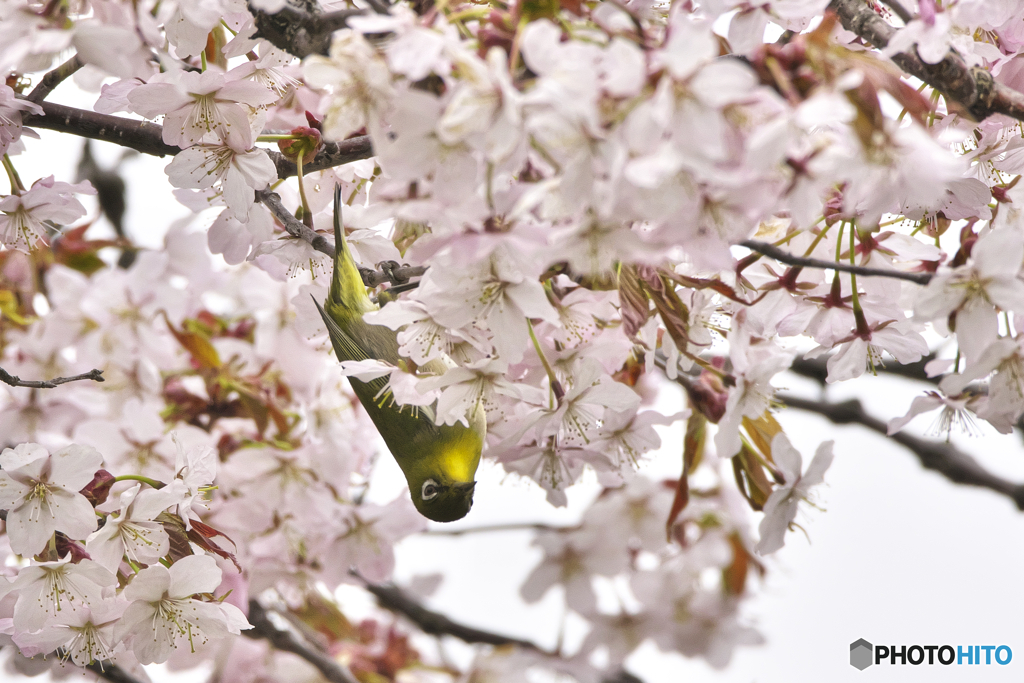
[(439, 461)]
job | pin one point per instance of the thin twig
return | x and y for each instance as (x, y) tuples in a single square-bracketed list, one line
[(786, 257), (289, 641), (293, 225), (973, 88), (54, 78), (395, 600), (498, 528), (15, 381), (817, 369), (296, 228), (940, 456), (111, 672)]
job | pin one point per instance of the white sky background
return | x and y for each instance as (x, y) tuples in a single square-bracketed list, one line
[(900, 556)]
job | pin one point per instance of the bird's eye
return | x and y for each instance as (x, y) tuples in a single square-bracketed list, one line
[(429, 490)]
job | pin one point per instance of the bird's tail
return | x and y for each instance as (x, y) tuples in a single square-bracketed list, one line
[(348, 297)]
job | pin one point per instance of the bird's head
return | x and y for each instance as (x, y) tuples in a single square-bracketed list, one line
[(441, 498)]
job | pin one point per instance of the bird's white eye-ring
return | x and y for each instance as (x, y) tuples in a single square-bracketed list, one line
[(430, 489)]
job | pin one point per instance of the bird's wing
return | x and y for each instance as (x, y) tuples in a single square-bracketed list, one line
[(345, 346)]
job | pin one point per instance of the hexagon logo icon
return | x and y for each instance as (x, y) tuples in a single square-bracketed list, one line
[(861, 652)]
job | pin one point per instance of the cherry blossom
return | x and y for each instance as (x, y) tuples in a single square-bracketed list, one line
[(25, 215), (132, 532), (41, 494), (163, 612), (11, 110), (781, 508), (195, 104)]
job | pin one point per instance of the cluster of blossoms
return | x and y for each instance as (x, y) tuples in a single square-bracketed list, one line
[(575, 178)]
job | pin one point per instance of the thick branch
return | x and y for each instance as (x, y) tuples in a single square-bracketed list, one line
[(301, 31), (289, 641), (15, 381), (973, 88), (146, 137), (141, 136), (793, 260), (940, 456), (54, 78), (333, 154)]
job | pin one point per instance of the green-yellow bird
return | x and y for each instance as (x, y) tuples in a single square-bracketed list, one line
[(439, 462)]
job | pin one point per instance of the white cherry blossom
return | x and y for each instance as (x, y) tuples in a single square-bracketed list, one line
[(40, 492)]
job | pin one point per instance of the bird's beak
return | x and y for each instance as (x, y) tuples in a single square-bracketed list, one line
[(465, 486)]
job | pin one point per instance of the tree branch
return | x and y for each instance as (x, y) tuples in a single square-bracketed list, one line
[(146, 137), (141, 136), (293, 225), (793, 260), (54, 78), (817, 369), (940, 456), (289, 641), (394, 599), (296, 228), (333, 154), (301, 31), (15, 381), (111, 672), (972, 88)]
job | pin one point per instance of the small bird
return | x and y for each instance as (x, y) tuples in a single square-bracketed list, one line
[(439, 461)]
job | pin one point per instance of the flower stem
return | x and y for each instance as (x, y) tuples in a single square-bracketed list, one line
[(556, 386), (138, 477), (858, 312), (17, 187), (307, 214), (274, 137)]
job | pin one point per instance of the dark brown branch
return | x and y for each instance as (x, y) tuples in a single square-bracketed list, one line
[(333, 154), (940, 456), (141, 136), (972, 88), (395, 600), (301, 31), (15, 381), (499, 528), (289, 641), (793, 260), (817, 369), (146, 137), (899, 10), (54, 78), (111, 672)]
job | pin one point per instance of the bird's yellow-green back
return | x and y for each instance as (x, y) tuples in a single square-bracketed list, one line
[(439, 462)]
